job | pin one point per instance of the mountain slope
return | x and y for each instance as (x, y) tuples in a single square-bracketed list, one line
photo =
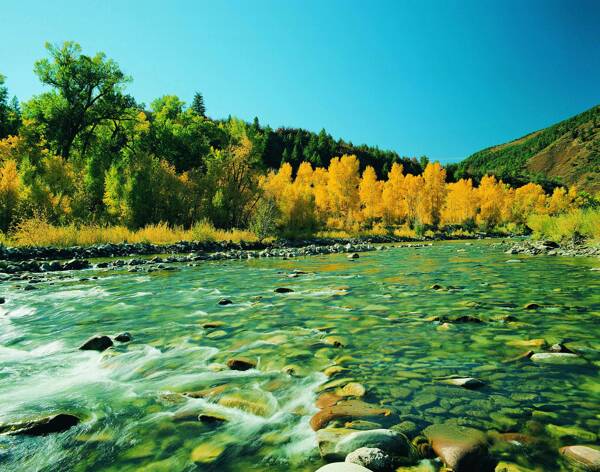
[(567, 152)]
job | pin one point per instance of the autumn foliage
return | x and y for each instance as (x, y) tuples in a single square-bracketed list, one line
[(340, 197)]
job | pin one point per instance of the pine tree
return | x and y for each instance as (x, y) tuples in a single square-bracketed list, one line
[(198, 105)]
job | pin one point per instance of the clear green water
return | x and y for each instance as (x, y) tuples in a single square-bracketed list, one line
[(378, 306)]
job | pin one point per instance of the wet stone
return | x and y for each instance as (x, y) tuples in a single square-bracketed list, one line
[(241, 363), (96, 343), (41, 426)]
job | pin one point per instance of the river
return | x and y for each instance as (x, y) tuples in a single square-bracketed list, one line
[(377, 318)]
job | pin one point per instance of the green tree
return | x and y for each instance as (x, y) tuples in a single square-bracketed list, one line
[(86, 93), (198, 105)]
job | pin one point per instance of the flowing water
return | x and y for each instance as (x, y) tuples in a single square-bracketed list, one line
[(379, 307)]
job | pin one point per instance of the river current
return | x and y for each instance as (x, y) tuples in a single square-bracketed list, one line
[(381, 318)]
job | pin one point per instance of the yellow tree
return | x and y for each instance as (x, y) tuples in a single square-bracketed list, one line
[(370, 193), (561, 201), (320, 179), (461, 203), (393, 201), (433, 194), (9, 193), (342, 187), (412, 191), (528, 199), (492, 196)]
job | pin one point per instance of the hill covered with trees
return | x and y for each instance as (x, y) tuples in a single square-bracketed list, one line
[(566, 153)]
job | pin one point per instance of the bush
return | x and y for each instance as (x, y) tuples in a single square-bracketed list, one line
[(581, 223)]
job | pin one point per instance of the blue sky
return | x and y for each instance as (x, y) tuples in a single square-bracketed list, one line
[(441, 78)]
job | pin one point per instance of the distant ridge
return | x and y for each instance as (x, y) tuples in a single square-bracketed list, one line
[(567, 152)]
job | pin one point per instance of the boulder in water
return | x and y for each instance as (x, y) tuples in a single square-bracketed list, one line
[(342, 467), (337, 443), (283, 290), (587, 457), (346, 409), (97, 343), (123, 337), (557, 358), (461, 449), (225, 301), (241, 363), (41, 426), (465, 382), (372, 458)]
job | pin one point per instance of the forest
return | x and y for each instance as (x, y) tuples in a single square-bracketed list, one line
[(86, 153)]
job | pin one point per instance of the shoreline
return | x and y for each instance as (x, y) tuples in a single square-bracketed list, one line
[(52, 259), (16, 262)]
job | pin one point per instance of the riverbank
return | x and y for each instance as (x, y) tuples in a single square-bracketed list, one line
[(51, 259), (552, 248)]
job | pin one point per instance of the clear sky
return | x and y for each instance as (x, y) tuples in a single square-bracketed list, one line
[(441, 78)]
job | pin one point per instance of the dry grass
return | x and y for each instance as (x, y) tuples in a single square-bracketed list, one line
[(38, 232), (581, 222)]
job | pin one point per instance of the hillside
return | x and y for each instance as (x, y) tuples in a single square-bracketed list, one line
[(567, 152)]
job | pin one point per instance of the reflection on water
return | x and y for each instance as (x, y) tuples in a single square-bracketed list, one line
[(379, 307)]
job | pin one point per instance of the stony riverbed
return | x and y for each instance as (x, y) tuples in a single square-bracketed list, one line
[(285, 362)]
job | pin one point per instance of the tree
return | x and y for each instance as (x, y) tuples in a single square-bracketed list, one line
[(370, 192), (87, 92), (10, 183), (394, 203), (264, 220), (198, 105), (461, 204), (434, 193), (10, 112)]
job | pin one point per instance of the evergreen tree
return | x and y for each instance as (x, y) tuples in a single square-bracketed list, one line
[(198, 105)]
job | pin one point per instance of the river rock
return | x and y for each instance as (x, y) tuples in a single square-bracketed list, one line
[(241, 363), (342, 467), (283, 290), (585, 456), (465, 382), (557, 358), (460, 448), (123, 337), (372, 458), (351, 389), (41, 426), (346, 409), (337, 443), (559, 347), (531, 306), (570, 432), (207, 453), (225, 301), (354, 255), (96, 343)]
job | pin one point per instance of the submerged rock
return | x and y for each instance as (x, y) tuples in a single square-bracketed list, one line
[(207, 453), (225, 301), (354, 255), (346, 409), (531, 306), (283, 290), (123, 337), (460, 448), (241, 363), (465, 382), (557, 358), (583, 456), (372, 458), (337, 443), (41, 426), (97, 343), (342, 467)]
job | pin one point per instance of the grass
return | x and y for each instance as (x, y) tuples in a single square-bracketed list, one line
[(38, 232), (577, 223)]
